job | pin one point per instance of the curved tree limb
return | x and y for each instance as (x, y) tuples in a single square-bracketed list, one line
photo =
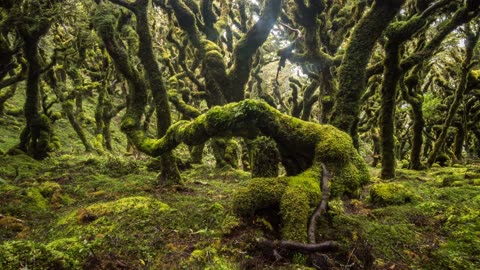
[(297, 139)]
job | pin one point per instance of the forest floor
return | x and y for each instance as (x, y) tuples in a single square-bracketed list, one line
[(77, 210)]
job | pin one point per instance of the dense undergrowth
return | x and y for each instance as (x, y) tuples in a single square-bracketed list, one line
[(79, 210)]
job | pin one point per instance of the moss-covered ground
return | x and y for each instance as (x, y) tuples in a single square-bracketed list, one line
[(79, 210), (73, 211)]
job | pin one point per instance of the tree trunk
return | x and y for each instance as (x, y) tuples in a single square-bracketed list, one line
[(35, 137), (169, 174), (458, 144), (352, 71), (67, 106), (471, 42), (388, 92)]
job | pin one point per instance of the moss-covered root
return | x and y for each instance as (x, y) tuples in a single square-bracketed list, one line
[(265, 157), (296, 196), (295, 211), (293, 196)]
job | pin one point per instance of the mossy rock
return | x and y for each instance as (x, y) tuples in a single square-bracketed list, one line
[(31, 255), (384, 194)]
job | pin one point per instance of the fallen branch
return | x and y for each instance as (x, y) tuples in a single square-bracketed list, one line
[(299, 247), (322, 207)]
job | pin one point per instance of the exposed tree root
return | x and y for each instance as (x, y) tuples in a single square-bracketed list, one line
[(299, 247)]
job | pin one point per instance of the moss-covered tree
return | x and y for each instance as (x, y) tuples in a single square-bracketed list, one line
[(470, 44), (35, 138), (352, 72)]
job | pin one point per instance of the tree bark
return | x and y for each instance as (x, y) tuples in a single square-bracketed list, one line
[(471, 43), (352, 71)]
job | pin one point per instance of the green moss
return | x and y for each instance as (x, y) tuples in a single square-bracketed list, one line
[(290, 198), (26, 254), (37, 199), (335, 145), (11, 227), (384, 194), (260, 193), (47, 189), (226, 152), (265, 157), (295, 211), (107, 228), (462, 226)]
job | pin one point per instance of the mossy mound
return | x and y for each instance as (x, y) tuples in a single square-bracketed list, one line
[(124, 230), (32, 255), (22, 202), (289, 197), (20, 167), (30, 200), (11, 227), (384, 194)]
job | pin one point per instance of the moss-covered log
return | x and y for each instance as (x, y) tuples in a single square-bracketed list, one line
[(296, 139)]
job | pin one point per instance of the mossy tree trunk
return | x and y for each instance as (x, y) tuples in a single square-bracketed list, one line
[(224, 85), (67, 105), (459, 143), (389, 94), (412, 92), (352, 71), (296, 139), (397, 34), (264, 158), (309, 99), (169, 172), (104, 21), (6, 95), (470, 45), (35, 137)]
